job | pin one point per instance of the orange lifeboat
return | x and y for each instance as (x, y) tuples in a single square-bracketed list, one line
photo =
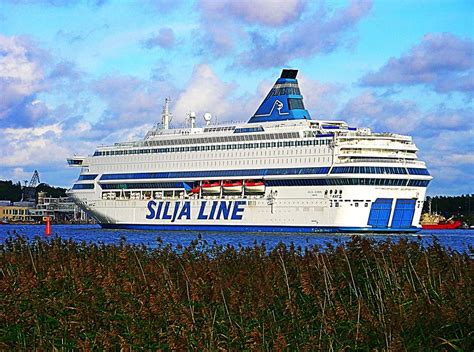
[(211, 187), (253, 186), (232, 186)]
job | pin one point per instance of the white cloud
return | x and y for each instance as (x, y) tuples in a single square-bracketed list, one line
[(319, 98), (223, 22), (205, 92), (263, 12), (319, 33), (32, 146), (382, 114), (18, 173), (17, 66)]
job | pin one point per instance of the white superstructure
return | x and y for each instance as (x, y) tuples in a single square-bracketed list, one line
[(280, 171)]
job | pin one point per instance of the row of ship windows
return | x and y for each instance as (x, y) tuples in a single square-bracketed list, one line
[(313, 142), (87, 177), (14, 211), (224, 139), (249, 129), (255, 172), (272, 183), (217, 173), (417, 171), (349, 182), (379, 170), (277, 91), (250, 159)]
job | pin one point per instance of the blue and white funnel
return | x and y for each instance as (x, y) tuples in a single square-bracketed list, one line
[(283, 102)]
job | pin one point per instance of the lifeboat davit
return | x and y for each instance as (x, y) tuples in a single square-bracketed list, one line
[(252, 186), (211, 187), (230, 186)]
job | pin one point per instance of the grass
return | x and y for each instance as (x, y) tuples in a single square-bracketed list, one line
[(364, 295)]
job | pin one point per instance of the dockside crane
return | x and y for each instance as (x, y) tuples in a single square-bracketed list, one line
[(29, 192)]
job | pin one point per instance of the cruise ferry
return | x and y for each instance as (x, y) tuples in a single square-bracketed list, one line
[(281, 171)]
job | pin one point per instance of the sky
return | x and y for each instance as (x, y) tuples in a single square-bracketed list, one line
[(78, 74)]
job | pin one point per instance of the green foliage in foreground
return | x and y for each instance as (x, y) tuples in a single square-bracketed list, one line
[(362, 296)]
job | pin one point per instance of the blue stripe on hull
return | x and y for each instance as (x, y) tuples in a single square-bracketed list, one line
[(267, 229)]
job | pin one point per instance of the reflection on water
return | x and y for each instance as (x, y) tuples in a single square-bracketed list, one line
[(459, 240)]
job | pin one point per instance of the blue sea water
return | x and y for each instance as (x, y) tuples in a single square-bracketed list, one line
[(459, 240)]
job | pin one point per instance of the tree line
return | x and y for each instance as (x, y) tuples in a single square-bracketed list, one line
[(13, 191), (451, 205)]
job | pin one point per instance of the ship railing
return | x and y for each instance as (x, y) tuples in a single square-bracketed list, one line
[(382, 155), (375, 143), (380, 160), (129, 144), (393, 135), (365, 150)]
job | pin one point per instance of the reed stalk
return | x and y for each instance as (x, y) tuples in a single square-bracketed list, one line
[(361, 295)]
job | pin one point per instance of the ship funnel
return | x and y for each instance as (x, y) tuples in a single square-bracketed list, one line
[(283, 102)]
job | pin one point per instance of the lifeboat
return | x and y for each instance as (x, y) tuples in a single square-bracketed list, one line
[(253, 186), (232, 186), (211, 187)]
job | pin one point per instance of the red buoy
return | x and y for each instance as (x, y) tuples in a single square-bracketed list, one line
[(47, 229)]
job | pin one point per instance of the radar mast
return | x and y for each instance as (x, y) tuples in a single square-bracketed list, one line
[(166, 116)]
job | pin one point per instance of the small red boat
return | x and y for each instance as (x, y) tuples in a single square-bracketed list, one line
[(433, 221), (252, 186), (211, 187), (448, 225)]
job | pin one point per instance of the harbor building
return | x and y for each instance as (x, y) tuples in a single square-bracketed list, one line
[(14, 213)]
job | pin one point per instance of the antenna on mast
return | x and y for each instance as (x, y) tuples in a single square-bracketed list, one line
[(166, 116), (191, 118)]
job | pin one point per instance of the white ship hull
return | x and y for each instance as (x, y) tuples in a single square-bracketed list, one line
[(302, 210)]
